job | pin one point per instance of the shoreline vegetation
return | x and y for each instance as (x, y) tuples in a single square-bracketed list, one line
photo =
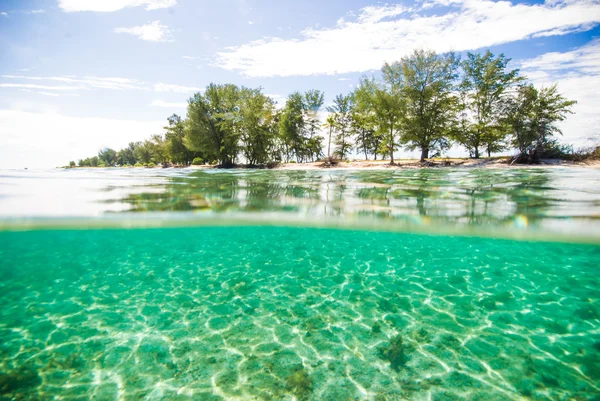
[(426, 101), (455, 162)]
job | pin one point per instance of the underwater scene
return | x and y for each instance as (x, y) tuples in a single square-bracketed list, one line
[(291, 285)]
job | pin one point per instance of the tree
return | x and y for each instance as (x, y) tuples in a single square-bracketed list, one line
[(385, 102), (313, 102), (485, 88), (341, 112), (144, 153), (177, 152), (330, 126), (160, 153), (291, 127), (426, 85), (126, 156), (533, 116), (108, 156), (363, 124), (211, 123), (256, 126)]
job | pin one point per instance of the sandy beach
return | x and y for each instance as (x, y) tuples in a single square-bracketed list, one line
[(494, 162)]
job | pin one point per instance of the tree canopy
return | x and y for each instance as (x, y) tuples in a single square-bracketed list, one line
[(425, 101)]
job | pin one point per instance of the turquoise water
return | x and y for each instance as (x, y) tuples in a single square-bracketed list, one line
[(272, 311)]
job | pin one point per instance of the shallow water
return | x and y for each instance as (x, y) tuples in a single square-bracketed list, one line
[(559, 203), (267, 312), (231, 313)]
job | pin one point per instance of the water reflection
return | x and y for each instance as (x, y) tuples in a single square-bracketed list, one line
[(554, 200), (457, 196)]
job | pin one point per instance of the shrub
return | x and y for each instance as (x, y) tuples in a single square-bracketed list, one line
[(150, 165), (138, 164), (198, 161)]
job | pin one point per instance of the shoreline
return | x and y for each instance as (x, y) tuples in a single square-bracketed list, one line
[(502, 162), (494, 162)]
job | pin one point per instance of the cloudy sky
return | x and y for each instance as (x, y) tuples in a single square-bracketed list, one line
[(79, 75)]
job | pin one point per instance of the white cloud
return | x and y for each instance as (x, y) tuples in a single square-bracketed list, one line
[(37, 11), (250, 22), (87, 82), (74, 83), (5, 14), (152, 32), (160, 87), (386, 33), (112, 5), (577, 73), (170, 105), (52, 139), (45, 87)]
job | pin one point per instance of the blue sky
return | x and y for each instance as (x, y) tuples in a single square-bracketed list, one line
[(78, 75)]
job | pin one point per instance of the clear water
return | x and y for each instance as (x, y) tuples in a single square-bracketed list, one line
[(242, 304)]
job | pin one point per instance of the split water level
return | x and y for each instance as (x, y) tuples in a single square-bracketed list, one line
[(432, 284)]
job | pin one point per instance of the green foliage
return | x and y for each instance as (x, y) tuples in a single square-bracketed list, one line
[(176, 151), (89, 162), (138, 165), (256, 124), (71, 164), (427, 83), (198, 161), (533, 116), (386, 104), (211, 124), (419, 103), (144, 152), (126, 155), (108, 157), (484, 91), (342, 124)]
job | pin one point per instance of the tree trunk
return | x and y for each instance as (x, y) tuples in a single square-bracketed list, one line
[(329, 145), (424, 153), (489, 153), (391, 145), (476, 155)]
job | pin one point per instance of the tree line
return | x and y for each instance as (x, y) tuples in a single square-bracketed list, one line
[(425, 101)]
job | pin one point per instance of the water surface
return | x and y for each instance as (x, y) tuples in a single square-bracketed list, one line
[(244, 304)]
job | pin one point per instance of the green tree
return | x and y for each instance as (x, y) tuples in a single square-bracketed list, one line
[(533, 115), (108, 156), (126, 156), (144, 152), (313, 102), (385, 101), (485, 89), (330, 127), (363, 124), (177, 152), (341, 112), (291, 128), (160, 151), (256, 126), (211, 123), (426, 85)]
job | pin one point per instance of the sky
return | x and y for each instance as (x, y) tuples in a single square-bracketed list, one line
[(80, 75)]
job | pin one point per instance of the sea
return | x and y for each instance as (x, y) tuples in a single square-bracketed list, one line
[(426, 284)]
